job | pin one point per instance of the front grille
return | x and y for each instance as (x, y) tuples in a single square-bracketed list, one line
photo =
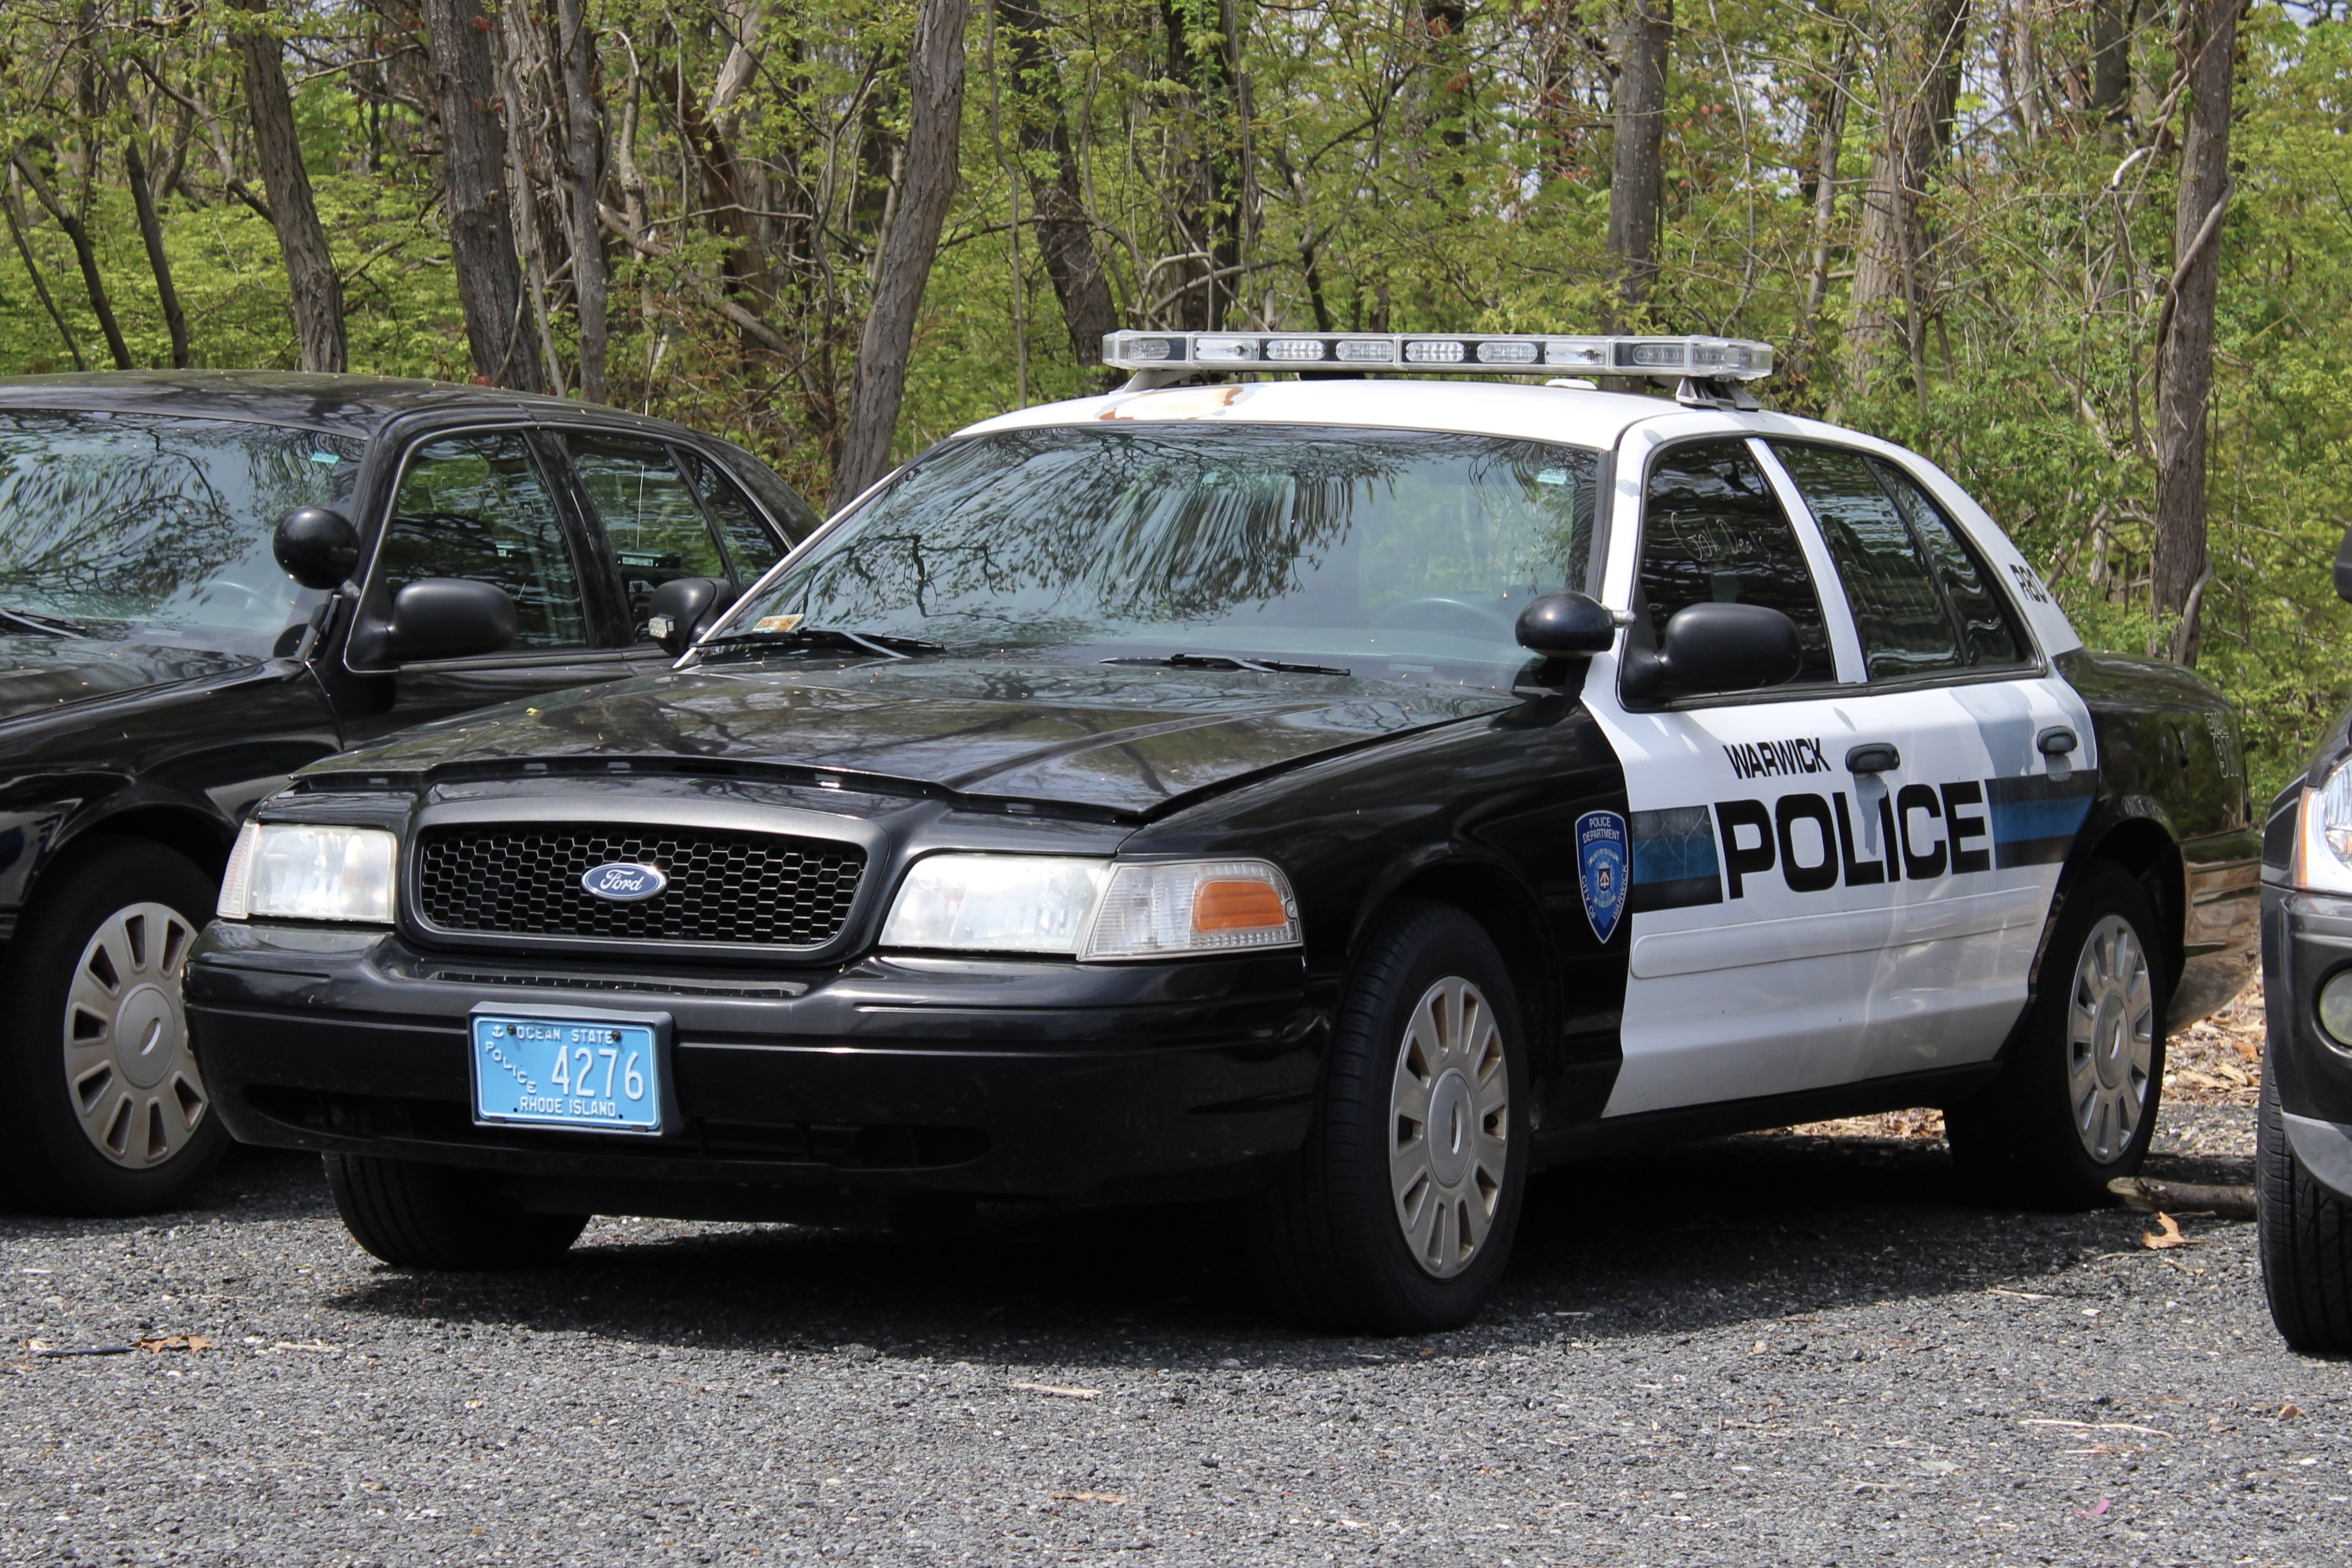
[(739, 890)]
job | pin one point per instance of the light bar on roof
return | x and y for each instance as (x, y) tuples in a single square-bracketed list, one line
[(1477, 354)]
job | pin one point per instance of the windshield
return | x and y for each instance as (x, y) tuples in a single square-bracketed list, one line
[(1393, 554), (159, 529)]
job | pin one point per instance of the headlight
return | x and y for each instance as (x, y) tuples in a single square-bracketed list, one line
[(1193, 907), (2323, 850), (996, 903), (294, 871), (1091, 908)]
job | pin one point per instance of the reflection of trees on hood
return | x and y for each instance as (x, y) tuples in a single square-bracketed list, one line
[(125, 514), (1138, 525)]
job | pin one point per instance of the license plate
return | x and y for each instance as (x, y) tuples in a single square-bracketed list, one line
[(598, 1071)]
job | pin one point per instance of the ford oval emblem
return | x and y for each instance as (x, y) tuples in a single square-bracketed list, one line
[(622, 882)]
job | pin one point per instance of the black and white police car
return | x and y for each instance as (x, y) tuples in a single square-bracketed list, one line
[(1343, 792)]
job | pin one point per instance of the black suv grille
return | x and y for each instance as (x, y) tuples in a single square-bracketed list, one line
[(750, 890)]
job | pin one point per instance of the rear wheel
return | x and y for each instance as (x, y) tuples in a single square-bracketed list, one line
[(103, 1109), (2075, 1104), (2304, 1234), (439, 1216), (1399, 1214)]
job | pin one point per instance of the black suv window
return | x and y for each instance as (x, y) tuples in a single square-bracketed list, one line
[(477, 506), (1713, 532), (749, 543), (652, 519), (1898, 556)]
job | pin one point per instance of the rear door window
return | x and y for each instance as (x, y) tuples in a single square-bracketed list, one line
[(654, 523), (1987, 633), (477, 506), (1898, 607)]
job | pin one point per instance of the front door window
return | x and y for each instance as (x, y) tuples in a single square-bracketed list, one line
[(476, 507)]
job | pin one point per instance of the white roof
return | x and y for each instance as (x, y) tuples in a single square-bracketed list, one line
[(1567, 415)]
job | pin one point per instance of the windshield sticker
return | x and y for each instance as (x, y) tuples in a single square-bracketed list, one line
[(777, 623), (329, 458), (1600, 845)]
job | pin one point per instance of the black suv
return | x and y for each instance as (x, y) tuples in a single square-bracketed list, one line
[(163, 666)]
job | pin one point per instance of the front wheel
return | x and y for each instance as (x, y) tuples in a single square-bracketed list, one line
[(437, 1217), (102, 1109), (2075, 1104), (1399, 1214), (2303, 1232)]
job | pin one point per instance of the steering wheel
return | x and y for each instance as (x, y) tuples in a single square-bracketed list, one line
[(1442, 612)]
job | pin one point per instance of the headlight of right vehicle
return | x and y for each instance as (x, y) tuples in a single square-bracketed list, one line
[(2323, 847), (1096, 910), (299, 871)]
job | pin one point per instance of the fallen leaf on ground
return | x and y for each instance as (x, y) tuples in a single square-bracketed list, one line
[(2096, 1509), (1058, 1393), (2289, 1412), (2171, 1238), (1087, 1497), (174, 1341)]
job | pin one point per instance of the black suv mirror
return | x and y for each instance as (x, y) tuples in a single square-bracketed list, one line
[(683, 609), (451, 617), (316, 546), (1559, 624), (1716, 648)]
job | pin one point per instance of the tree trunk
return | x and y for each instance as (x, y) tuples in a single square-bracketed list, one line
[(498, 327), (1056, 201), (1636, 182), (935, 84), (101, 304), (151, 231), (583, 164), (1919, 83), (2179, 569), (1832, 123), (310, 275), (2110, 73), (16, 216)]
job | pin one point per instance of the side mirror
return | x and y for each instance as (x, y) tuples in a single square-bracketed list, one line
[(316, 546), (1717, 648), (683, 609), (1559, 624), (2344, 567), (451, 617)]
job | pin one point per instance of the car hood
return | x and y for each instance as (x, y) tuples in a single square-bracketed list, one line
[(1126, 739), (41, 674)]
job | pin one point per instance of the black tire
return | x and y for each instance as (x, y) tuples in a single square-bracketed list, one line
[(2018, 1140), (2304, 1234), (418, 1216), (153, 1135), (1330, 1239)]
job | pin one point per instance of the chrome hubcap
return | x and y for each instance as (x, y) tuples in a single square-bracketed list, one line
[(133, 1082), (1449, 1114), (2110, 1039)]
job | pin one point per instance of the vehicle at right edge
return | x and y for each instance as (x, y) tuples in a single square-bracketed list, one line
[(2302, 1139)]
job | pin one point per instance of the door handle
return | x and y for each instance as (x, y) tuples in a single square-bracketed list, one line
[(1877, 757), (2055, 741)]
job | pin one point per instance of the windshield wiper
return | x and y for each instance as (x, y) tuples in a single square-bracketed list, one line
[(48, 625), (1229, 662), (889, 644)]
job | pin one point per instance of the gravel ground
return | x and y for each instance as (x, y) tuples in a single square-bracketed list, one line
[(1796, 1348)]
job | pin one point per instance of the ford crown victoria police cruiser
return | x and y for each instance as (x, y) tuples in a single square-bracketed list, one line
[(1343, 794)]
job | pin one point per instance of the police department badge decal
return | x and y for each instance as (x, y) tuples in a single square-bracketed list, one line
[(1600, 870)]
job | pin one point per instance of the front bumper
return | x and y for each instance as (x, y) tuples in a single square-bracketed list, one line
[(2306, 942), (992, 1078)]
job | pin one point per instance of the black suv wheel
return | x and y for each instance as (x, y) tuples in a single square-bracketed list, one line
[(105, 1111)]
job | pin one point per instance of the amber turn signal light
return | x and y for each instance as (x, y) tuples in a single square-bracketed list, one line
[(1233, 905)]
